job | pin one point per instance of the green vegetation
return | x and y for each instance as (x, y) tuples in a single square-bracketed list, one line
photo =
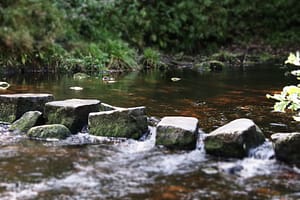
[(151, 58), (92, 35), (289, 98), (59, 35)]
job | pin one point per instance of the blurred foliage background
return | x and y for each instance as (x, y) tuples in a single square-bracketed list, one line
[(92, 35)]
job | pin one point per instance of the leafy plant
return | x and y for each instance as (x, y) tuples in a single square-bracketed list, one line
[(151, 58), (289, 98)]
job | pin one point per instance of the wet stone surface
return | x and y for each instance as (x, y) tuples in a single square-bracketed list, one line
[(234, 139), (27, 121), (286, 146), (125, 122), (177, 132), (52, 131), (73, 113)]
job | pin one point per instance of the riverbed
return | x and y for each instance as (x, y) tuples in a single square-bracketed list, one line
[(126, 169)]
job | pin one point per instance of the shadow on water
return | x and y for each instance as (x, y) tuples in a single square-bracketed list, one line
[(137, 169)]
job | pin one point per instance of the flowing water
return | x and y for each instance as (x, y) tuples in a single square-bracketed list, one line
[(85, 167)]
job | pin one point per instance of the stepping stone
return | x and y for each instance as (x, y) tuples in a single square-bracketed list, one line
[(73, 113), (286, 146), (13, 106), (234, 139), (177, 132), (123, 122)]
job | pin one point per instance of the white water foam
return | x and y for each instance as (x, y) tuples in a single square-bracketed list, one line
[(134, 146), (131, 163), (260, 161)]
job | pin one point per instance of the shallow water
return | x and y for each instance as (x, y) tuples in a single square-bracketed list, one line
[(84, 167)]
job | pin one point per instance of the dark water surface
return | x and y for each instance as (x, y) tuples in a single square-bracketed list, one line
[(139, 170)]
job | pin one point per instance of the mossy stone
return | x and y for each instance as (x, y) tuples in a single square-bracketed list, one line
[(79, 76), (57, 131), (234, 139), (13, 106), (73, 113), (286, 146), (177, 132), (27, 121), (128, 123)]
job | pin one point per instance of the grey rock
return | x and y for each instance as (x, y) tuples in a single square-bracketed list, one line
[(52, 131), (123, 122), (27, 121), (177, 132), (80, 76), (234, 139), (286, 146), (13, 106), (73, 113), (107, 107)]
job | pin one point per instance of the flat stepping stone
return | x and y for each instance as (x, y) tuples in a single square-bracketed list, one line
[(73, 113), (234, 139), (13, 106), (123, 122), (177, 132)]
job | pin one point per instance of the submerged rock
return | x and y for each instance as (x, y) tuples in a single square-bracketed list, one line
[(79, 76), (73, 113), (56, 131), (126, 122), (13, 106), (177, 132), (286, 146), (216, 65), (27, 121), (234, 139)]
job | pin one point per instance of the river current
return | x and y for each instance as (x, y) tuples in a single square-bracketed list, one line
[(86, 167)]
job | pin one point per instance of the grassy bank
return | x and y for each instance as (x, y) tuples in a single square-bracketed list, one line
[(93, 35)]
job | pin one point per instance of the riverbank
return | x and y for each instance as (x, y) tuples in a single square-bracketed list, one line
[(92, 36), (231, 56)]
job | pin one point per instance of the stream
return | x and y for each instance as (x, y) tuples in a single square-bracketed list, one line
[(86, 167)]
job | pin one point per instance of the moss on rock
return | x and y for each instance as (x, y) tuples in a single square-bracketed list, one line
[(57, 131), (13, 106), (73, 113), (177, 132), (128, 123), (234, 139), (27, 121), (286, 146)]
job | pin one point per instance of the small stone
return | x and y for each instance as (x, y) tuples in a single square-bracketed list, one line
[(234, 139), (56, 131), (27, 121), (286, 146), (177, 132), (80, 76), (76, 88)]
